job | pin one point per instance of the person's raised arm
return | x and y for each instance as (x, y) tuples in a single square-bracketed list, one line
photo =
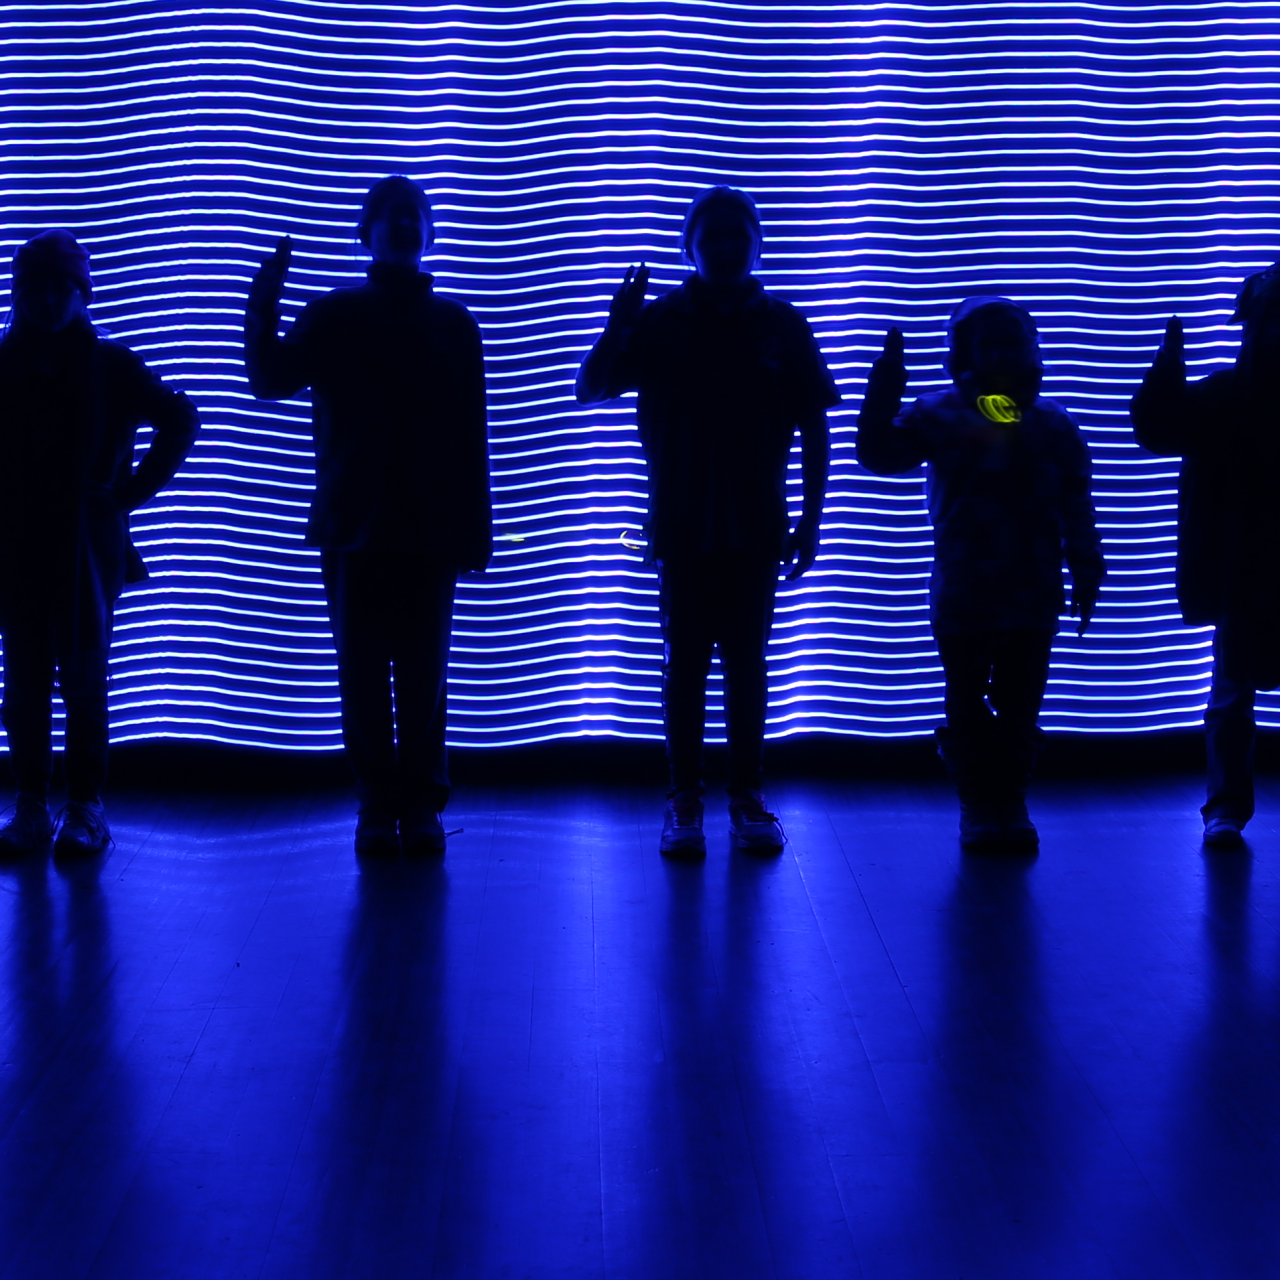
[(275, 368), (602, 375), (815, 456), (882, 448), (1161, 411)]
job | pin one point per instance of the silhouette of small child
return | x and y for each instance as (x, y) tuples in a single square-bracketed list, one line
[(70, 406), (1009, 498), (726, 375), (1226, 428)]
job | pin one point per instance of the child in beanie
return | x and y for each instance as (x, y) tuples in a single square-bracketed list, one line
[(1009, 497)]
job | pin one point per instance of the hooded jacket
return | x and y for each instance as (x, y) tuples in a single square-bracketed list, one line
[(1009, 501)]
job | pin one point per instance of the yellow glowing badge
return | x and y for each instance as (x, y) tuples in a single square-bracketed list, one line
[(999, 409), (631, 541)]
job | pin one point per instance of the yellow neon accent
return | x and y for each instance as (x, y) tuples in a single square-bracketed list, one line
[(999, 409), (628, 541)]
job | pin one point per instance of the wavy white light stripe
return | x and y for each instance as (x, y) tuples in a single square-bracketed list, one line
[(1126, 172)]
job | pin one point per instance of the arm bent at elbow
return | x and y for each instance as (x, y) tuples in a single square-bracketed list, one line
[(598, 375), (176, 424), (883, 448)]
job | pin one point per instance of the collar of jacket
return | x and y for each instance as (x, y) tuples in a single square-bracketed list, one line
[(391, 275), (694, 294)]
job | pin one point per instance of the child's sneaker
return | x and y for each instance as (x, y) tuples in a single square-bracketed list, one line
[(376, 835), (422, 835), (83, 830), (682, 828), (29, 829), (1223, 833), (752, 826)]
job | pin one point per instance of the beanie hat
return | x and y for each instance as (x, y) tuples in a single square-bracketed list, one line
[(723, 197), (387, 190), (54, 253)]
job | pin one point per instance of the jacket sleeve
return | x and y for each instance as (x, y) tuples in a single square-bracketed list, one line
[(474, 505), (176, 423), (610, 369), (278, 367), (887, 444), (1081, 546)]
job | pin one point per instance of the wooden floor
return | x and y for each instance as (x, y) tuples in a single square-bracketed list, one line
[(229, 1052)]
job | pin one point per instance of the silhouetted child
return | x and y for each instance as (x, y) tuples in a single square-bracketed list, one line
[(726, 375), (402, 498), (70, 405), (1226, 428), (1008, 492)]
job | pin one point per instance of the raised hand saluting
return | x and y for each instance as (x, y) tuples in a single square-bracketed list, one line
[(1171, 358), (889, 373), (624, 310), (268, 282)]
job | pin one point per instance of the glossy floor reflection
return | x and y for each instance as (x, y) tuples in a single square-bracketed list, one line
[(228, 1052)]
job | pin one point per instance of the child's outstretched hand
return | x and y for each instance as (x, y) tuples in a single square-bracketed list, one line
[(1171, 357), (890, 369), (268, 282), (802, 548), (624, 310), (1084, 600)]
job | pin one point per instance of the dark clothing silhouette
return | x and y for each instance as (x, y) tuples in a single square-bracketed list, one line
[(397, 382), (720, 602), (1009, 502), (1008, 505), (720, 393), (401, 506), (1004, 670), (70, 406), (722, 388), (392, 612), (1226, 429)]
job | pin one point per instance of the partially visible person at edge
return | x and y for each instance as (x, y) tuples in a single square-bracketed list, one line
[(726, 375), (401, 505), (1009, 497), (1226, 429), (70, 404)]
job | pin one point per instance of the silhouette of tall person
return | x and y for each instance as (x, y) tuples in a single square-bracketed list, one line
[(70, 405), (1226, 429), (1009, 497), (726, 375), (401, 505)]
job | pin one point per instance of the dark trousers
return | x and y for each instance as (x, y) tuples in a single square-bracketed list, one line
[(711, 603), (995, 679), (35, 656), (392, 615), (1229, 728)]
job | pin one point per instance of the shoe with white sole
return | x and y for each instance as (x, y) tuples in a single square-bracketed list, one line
[(751, 825)]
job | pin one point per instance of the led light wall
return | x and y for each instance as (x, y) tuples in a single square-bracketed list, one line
[(1107, 164)]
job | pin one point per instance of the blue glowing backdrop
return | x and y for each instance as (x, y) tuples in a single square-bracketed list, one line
[(1108, 164)]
